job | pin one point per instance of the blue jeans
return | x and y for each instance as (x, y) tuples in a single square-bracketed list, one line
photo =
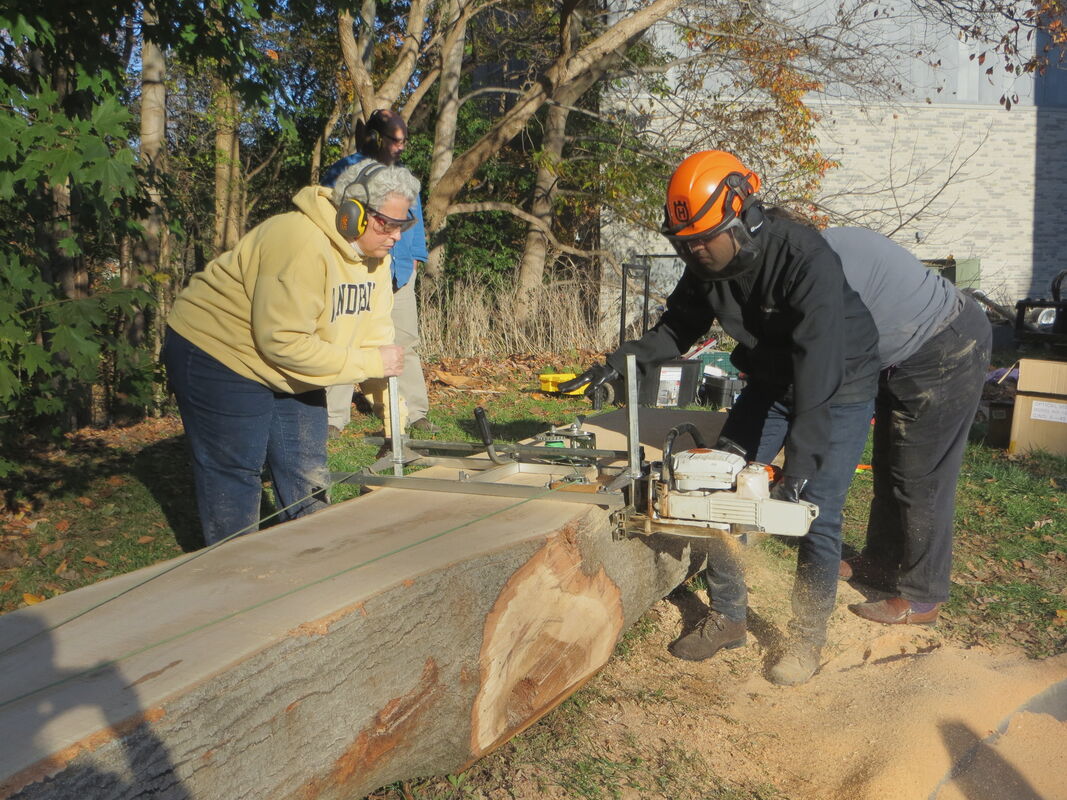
[(234, 426), (759, 422)]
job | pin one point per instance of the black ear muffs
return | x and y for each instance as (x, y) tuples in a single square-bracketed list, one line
[(352, 213), (372, 138), (752, 214)]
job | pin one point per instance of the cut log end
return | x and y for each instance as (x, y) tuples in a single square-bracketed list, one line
[(552, 626)]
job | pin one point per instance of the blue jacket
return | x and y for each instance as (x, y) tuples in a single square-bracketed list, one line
[(412, 244)]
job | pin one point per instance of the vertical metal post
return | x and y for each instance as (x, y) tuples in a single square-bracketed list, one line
[(622, 307), (633, 438), (644, 312), (396, 428)]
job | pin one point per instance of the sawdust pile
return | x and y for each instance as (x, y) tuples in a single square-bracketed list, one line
[(893, 714)]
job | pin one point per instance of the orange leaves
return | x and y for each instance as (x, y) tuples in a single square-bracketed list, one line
[(97, 562), (32, 599), (455, 381), (146, 539)]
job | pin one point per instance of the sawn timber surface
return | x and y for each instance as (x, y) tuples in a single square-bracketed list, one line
[(402, 633)]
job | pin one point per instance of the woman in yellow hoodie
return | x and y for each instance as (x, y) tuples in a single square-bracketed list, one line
[(302, 302)]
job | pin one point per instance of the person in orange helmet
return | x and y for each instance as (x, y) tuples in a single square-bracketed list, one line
[(810, 350)]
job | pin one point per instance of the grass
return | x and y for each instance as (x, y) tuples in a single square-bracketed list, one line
[(113, 501)]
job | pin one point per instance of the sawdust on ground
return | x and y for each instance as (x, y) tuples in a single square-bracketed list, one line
[(895, 713)]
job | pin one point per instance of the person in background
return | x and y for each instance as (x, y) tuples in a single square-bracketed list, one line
[(384, 138), (934, 346), (809, 348), (303, 301)]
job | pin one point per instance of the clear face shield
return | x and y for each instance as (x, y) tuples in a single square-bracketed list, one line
[(722, 254)]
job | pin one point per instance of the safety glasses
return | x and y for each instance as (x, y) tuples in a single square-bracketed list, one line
[(390, 225)]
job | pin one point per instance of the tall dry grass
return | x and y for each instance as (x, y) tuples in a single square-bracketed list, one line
[(473, 319)]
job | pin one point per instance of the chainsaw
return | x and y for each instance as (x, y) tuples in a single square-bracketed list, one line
[(696, 491), (699, 492)]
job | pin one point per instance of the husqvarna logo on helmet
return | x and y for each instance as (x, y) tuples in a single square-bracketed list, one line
[(681, 210)]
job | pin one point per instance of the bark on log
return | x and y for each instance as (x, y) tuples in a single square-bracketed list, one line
[(396, 635)]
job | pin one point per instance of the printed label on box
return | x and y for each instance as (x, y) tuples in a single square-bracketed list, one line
[(670, 386), (1050, 412)]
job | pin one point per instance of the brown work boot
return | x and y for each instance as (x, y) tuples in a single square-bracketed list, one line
[(797, 663), (712, 634), (895, 611)]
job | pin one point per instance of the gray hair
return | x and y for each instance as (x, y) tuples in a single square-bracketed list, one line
[(373, 189)]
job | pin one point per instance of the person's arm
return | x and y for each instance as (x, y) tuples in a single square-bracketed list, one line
[(815, 296), (410, 251), (688, 317)]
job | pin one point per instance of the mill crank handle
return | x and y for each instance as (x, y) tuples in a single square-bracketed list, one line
[(487, 436)]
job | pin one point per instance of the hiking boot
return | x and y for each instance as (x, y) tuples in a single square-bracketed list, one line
[(797, 663), (897, 611), (712, 634)]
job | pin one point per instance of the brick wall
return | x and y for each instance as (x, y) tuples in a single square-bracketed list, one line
[(957, 180)]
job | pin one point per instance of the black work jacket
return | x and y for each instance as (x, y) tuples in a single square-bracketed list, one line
[(801, 330)]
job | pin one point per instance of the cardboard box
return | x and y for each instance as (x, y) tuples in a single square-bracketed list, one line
[(1039, 420)]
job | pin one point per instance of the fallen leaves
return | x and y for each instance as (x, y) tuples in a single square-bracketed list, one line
[(9, 559), (146, 539), (98, 562), (32, 599), (455, 381)]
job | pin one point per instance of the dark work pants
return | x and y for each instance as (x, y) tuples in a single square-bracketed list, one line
[(234, 425), (760, 422), (923, 414)]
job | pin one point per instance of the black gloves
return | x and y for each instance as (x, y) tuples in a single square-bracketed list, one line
[(593, 378), (788, 488)]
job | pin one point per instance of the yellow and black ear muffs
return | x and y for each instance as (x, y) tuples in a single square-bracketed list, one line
[(352, 213)]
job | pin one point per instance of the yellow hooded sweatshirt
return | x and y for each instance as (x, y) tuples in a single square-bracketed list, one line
[(294, 305)]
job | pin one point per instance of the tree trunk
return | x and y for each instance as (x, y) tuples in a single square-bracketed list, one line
[(227, 171), (444, 140), (400, 634), (532, 266), (148, 250), (327, 132), (563, 72)]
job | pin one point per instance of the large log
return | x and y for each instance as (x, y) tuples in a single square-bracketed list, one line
[(396, 635)]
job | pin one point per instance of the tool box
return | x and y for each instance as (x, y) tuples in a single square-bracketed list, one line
[(719, 391), (550, 382), (670, 384), (721, 382)]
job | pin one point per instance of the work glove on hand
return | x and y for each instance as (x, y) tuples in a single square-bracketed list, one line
[(788, 488), (593, 378)]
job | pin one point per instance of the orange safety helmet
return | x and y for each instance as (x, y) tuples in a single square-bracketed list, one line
[(707, 192)]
